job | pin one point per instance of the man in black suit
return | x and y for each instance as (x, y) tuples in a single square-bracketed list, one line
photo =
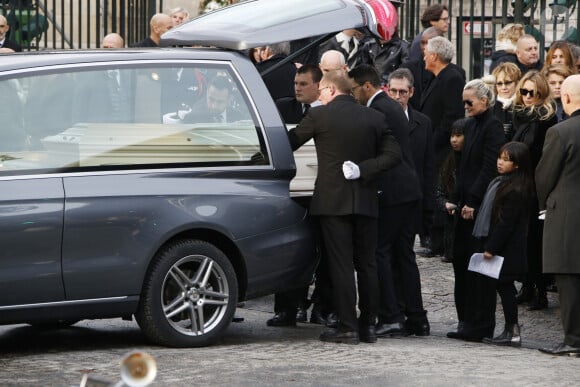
[(353, 147), (400, 88), (399, 196), (280, 81), (291, 306), (159, 24), (442, 102), (306, 81), (6, 43), (558, 184)]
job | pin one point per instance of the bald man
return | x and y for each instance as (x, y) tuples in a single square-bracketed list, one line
[(113, 40), (7, 45), (558, 187), (333, 60), (160, 24), (528, 54)]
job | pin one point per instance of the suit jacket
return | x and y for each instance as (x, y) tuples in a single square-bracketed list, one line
[(399, 184), (344, 130), (442, 102), (12, 44), (290, 109), (421, 138), (483, 139), (557, 185), (280, 82)]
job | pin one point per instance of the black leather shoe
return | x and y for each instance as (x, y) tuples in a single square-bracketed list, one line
[(391, 330), (336, 336), (332, 320), (282, 319), (562, 349), (316, 317), (301, 315), (459, 333), (367, 333), (418, 329)]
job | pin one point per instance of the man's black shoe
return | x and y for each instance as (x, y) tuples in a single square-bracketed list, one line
[(418, 329), (390, 330), (316, 317), (336, 336), (301, 315), (282, 319), (367, 333), (332, 320), (562, 349)]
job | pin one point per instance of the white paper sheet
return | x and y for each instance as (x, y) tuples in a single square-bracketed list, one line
[(489, 267)]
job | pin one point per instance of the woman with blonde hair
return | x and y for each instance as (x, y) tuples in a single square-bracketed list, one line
[(534, 113), (507, 75), (178, 15), (474, 294), (505, 44)]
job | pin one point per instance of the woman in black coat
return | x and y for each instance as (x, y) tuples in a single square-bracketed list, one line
[(534, 114), (483, 138)]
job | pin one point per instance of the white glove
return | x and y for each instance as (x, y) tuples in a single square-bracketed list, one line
[(350, 170)]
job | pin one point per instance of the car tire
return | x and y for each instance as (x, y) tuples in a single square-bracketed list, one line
[(189, 295)]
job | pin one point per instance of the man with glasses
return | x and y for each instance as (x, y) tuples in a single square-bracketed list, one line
[(435, 15), (399, 197), (401, 89)]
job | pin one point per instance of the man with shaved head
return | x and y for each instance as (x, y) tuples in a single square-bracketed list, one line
[(558, 187), (160, 24), (113, 40), (333, 60)]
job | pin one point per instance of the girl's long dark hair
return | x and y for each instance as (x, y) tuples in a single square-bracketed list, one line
[(521, 180), (449, 166)]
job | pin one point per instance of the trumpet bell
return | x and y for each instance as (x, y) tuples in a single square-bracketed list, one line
[(138, 369)]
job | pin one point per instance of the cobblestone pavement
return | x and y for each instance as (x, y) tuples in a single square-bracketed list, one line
[(253, 354)]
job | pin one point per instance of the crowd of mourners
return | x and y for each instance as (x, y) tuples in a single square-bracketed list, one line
[(467, 166), (408, 147)]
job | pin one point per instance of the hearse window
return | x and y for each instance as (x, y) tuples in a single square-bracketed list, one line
[(118, 118)]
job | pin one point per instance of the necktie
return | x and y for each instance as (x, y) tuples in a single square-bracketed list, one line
[(351, 46), (305, 108)]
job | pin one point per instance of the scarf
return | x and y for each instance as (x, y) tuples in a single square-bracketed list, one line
[(506, 102), (483, 220)]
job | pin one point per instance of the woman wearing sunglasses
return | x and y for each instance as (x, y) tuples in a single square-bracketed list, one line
[(474, 293), (507, 76), (534, 113)]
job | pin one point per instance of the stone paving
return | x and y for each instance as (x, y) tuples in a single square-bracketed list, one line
[(252, 354)]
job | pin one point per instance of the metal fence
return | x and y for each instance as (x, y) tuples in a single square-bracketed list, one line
[(62, 24), (476, 23)]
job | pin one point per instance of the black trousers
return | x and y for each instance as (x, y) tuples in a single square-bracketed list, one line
[(569, 294), (475, 294), (399, 278), (289, 301), (507, 292), (350, 241)]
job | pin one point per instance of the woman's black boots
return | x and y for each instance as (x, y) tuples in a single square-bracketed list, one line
[(509, 337)]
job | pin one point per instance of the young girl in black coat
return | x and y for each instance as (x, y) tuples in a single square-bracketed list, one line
[(502, 225)]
